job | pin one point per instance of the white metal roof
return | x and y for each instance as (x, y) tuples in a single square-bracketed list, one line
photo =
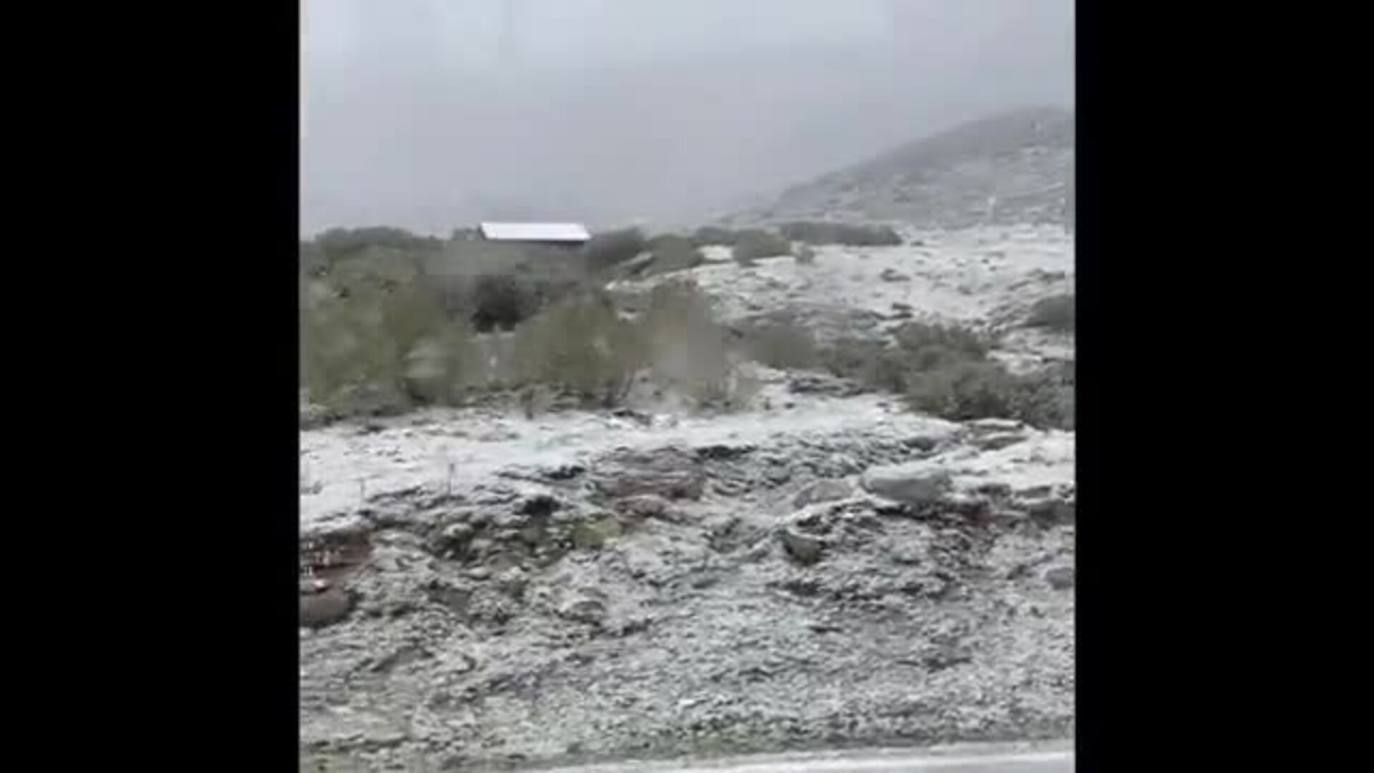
[(536, 232)]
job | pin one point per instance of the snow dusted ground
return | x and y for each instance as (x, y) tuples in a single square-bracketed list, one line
[(416, 451), (816, 571), (984, 278)]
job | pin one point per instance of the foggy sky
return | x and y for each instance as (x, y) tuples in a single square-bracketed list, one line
[(422, 114)]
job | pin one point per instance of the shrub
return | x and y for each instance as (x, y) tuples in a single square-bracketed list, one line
[(497, 285), (501, 301), (311, 259), (372, 347), (441, 362), (582, 345), (686, 348), (712, 234), (605, 250), (931, 343), (945, 371), (871, 363), (781, 345), (1055, 312), (337, 243), (734, 391), (341, 352), (816, 232), (374, 268), (976, 390), (674, 253), (963, 390), (805, 255), (1046, 398), (754, 244)]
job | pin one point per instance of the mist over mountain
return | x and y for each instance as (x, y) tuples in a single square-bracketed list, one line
[(431, 115)]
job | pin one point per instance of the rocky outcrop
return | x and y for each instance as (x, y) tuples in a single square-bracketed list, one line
[(632, 607), (670, 473), (822, 491), (914, 484)]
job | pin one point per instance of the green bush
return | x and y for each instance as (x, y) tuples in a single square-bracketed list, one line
[(871, 363), (501, 301), (374, 268), (1055, 312), (925, 341), (754, 244), (372, 345), (815, 232), (497, 285), (673, 253), (439, 364), (976, 390), (312, 259), (945, 371), (385, 329), (338, 243), (712, 234), (781, 345), (1046, 398), (580, 344), (963, 390), (687, 349), (606, 250)]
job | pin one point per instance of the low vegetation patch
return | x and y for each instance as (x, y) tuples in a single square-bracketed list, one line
[(339, 243), (714, 234), (946, 371), (607, 250), (819, 232), (389, 321), (780, 344), (688, 350), (1054, 313), (673, 253), (378, 342), (580, 345), (755, 243)]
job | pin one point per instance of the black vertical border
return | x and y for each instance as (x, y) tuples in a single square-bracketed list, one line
[(175, 174)]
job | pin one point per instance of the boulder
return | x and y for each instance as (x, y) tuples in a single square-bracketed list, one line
[(822, 491), (670, 473), (911, 484), (802, 547)]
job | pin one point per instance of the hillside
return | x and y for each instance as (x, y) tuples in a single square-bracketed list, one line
[(1023, 159), (485, 588)]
